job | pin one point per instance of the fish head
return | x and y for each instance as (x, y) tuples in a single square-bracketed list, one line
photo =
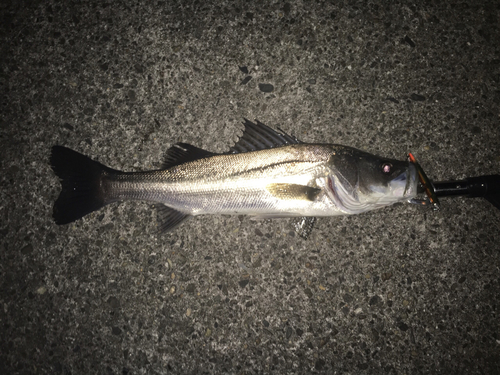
[(359, 181)]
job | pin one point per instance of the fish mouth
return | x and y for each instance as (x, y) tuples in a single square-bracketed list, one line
[(411, 182), (404, 186)]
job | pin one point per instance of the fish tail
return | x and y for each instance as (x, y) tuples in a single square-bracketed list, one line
[(81, 180)]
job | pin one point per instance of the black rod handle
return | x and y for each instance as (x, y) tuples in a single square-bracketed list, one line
[(480, 186), (483, 186), (450, 188)]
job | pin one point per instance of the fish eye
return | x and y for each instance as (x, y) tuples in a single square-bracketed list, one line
[(386, 168)]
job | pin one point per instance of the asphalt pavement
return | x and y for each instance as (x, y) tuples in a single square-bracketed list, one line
[(401, 290)]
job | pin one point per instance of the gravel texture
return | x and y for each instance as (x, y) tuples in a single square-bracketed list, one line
[(402, 290)]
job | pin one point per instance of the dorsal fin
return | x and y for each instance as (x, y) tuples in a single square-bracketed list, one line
[(259, 137), (182, 153)]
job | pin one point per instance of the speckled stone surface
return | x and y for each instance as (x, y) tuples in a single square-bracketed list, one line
[(398, 291)]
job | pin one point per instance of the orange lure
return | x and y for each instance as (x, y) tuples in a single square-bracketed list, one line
[(426, 183)]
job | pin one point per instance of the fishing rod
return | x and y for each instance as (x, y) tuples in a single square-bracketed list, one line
[(487, 186)]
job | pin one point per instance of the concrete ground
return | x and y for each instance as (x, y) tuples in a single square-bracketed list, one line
[(402, 290)]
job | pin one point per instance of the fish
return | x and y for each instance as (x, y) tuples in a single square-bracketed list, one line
[(265, 174)]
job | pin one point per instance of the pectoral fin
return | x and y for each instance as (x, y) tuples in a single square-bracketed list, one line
[(304, 225), (293, 191)]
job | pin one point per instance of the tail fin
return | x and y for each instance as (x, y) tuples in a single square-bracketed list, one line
[(81, 184)]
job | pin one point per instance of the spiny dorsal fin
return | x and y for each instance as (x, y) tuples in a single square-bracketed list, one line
[(181, 153), (259, 137)]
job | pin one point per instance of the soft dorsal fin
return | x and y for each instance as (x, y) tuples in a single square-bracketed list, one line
[(259, 137), (182, 153)]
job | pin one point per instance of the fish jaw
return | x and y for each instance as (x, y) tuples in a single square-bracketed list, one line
[(402, 188), (411, 183)]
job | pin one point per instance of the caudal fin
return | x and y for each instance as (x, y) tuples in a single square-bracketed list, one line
[(81, 184)]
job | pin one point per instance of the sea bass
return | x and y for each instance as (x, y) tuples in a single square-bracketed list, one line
[(266, 174)]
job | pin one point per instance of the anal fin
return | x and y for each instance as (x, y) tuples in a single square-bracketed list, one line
[(168, 218)]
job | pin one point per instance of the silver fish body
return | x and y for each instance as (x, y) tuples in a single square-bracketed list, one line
[(267, 174)]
